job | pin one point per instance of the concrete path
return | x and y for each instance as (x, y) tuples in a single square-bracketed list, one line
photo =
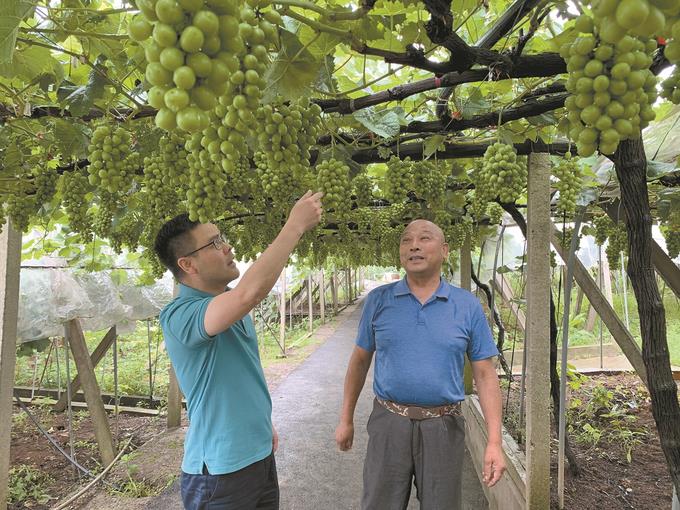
[(313, 474)]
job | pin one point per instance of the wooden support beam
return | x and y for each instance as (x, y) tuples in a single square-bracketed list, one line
[(334, 292), (538, 333), (599, 302), (10, 262), (322, 296), (310, 304), (100, 421), (504, 288), (604, 283), (97, 356), (174, 418), (282, 312)]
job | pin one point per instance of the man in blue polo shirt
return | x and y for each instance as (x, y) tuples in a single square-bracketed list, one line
[(420, 328), (229, 448)]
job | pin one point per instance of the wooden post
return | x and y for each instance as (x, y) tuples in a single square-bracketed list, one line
[(348, 285), (334, 292), (466, 283), (10, 261), (322, 296), (88, 380), (282, 312), (537, 333), (174, 418), (96, 357), (310, 303)]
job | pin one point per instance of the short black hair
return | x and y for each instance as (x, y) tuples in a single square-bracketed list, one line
[(171, 241)]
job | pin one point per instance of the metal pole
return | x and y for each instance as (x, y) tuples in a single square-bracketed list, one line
[(563, 368), (601, 276)]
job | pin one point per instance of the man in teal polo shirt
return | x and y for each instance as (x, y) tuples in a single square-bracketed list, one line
[(420, 328), (229, 448)]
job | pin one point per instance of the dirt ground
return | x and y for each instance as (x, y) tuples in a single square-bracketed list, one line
[(607, 479), (140, 474)]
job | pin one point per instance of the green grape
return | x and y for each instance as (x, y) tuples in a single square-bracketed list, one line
[(495, 213), (398, 179), (362, 187), (501, 175), (207, 179), (45, 183), (74, 191), (429, 181), (332, 177), (164, 176), (612, 88), (19, 209), (672, 237), (603, 224), (569, 184), (108, 153), (126, 232), (102, 223), (617, 242), (477, 204)]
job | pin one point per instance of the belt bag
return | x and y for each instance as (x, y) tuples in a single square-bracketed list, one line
[(420, 413)]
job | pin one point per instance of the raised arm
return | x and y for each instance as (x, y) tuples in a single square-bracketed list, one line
[(228, 307)]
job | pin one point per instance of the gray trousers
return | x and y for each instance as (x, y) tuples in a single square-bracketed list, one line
[(400, 450)]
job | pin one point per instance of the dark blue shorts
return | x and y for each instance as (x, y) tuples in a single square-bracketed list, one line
[(253, 487)]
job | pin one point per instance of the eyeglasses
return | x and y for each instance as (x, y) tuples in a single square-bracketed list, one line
[(219, 242)]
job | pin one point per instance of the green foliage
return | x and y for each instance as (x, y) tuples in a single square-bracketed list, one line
[(28, 485)]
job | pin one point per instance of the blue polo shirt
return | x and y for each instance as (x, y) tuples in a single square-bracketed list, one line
[(228, 402), (419, 348)]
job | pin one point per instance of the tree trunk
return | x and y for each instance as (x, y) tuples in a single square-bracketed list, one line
[(631, 169), (554, 376)]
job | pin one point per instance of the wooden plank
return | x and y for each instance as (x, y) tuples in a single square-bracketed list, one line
[(10, 261), (504, 288), (322, 296), (537, 333), (141, 411), (609, 317), (100, 421), (96, 357)]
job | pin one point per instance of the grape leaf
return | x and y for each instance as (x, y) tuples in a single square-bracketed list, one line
[(11, 14), (71, 138), (80, 99), (385, 123), (292, 71)]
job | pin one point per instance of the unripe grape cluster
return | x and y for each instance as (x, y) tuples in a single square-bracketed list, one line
[(74, 190), (362, 187), (617, 242), (20, 208), (200, 52), (429, 181), (108, 152), (672, 238), (569, 184), (670, 87), (612, 89), (494, 212), (603, 224), (45, 184), (501, 175), (126, 232), (398, 179), (207, 179), (332, 177)]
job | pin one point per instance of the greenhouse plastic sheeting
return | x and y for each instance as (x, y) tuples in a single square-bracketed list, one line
[(50, 297), (47, 299)]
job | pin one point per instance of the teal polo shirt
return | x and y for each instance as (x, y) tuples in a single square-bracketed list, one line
[(228, 402), (420, 348)]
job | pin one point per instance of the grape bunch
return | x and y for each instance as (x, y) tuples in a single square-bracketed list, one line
[(672, 237), (477, 204), (617, 242), (670, 87), (126, 232), (20, 208), (74, 190), (112, 162), (164, 175), (429, 181), (200, 52), (102, 223), (494, 212), (398, 179), (45, 184), (207, 179), (501, 175), (332, 178), (612, 89), (362, 187), (603, 225), (569, 184)]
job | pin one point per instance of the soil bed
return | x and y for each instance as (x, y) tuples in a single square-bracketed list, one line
[(613, 435)]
